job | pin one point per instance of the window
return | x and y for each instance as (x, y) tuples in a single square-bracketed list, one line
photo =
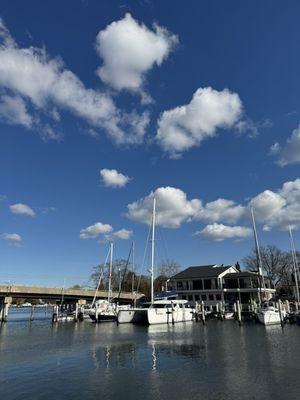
[(179, 285), (190, 297), (197, 297), (185, 285), (183, 296), (207, 284), (211, 297), (203, 297), (218, 297), (197, 285)]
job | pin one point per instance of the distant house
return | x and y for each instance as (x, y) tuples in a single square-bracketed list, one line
[(218, 283)]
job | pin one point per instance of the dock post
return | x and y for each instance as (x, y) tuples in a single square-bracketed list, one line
[(239, 312), (32, 313), (55, 314), (203, 312), (76, 312), (5, 307), (280, 313), (287, 307)]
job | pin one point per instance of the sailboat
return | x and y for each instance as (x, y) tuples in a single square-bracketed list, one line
[(268, 313), (126, 313), (165, 310), (296, 275), (105, 310)]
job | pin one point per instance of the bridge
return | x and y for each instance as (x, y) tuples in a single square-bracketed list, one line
[(69, 295)]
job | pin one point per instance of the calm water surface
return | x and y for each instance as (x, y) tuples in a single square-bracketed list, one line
[(85, 361)]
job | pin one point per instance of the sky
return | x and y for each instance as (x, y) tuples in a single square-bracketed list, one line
[(105, 104)]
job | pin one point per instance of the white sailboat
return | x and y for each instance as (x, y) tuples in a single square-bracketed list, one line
[(162, 311), (268, 313), (126, 313), (296, 275), (105, 310)]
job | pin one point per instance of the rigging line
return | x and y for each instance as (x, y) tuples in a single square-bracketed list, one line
[(160, 232), (100, 278), (143, 261), (125, 271)]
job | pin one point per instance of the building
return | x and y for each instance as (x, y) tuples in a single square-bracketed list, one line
[(219, 283)]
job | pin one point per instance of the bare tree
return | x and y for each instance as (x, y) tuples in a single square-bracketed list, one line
[(168, 268), (277, 264)]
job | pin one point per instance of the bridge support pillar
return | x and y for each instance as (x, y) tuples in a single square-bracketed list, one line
[(4, 308)]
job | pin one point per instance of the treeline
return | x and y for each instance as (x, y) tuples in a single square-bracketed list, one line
[(123, 277)]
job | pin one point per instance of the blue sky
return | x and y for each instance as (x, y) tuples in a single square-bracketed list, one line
[(199, 104)]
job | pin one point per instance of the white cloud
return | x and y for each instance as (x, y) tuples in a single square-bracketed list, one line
[(220, 232), (129, 50), (113, 178), (46, 83), (275, 149), (12, 237), (22, 209), (122, 234), (290, 152), (173, 207), (278, 210), (221, 210), (95, 230), (13, 110), (266, 204), (187, 126), (274, 209)]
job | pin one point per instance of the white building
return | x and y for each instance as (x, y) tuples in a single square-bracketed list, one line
[(218, 283)]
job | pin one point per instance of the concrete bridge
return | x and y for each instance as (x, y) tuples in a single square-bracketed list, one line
[(70, 296), (45, 293)]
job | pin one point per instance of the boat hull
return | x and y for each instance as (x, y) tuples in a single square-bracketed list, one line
[(269, 317), (153, 316), (126, 316)]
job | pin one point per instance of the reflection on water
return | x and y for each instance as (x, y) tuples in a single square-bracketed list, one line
[(186, 361)]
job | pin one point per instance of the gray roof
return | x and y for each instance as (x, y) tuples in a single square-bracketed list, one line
[(242, 274), (203, 271)]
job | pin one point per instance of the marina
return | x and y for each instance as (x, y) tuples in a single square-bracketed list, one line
[(104, 359)]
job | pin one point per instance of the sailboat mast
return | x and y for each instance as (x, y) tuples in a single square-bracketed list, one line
[(295, 263), (260, 270), (110, 271), (133, 267), (152, 250)]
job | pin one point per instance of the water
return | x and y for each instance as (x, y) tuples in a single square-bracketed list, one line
[(41, 361)]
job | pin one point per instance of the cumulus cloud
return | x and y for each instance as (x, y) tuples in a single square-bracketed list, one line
[(273, 209), (122, 234), (95, 230), (220, 232), (12, 237), (280, 209), (267, 204), (129, 50), (221, 210), (184, 127), (113, 178), (22, 209), (13, 111), (290, 152), (172, 207), (44, 82)]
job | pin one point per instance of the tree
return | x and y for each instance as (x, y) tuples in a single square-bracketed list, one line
[(276, 264), (168, 268), (120, 271)]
